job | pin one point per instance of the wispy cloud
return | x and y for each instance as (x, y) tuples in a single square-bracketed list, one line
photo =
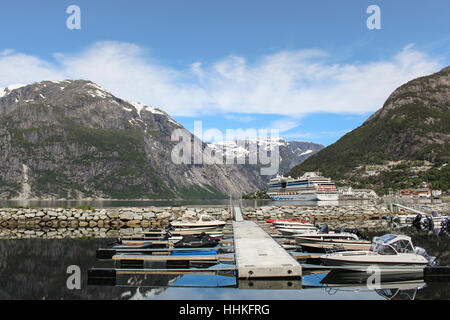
[(290, 83), (283, 125), (240, 118)]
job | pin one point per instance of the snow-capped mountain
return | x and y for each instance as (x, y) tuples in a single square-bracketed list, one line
[(291, 153)]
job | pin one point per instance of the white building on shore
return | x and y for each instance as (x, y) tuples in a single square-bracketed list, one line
[(349, 192)]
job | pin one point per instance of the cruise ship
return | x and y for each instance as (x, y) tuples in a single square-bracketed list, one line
[(310, 186)]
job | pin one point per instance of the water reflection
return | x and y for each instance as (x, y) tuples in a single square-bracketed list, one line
[(36, 269)]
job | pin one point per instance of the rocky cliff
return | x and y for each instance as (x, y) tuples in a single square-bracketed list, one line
[(413, 124), (73, 139)]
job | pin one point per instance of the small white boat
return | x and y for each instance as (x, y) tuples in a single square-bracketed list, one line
[(335, 241), (387, 251), (295, 231), (205, 222), (293, 224)]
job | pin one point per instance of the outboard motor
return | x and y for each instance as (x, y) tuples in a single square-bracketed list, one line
[(445, 226), (427, 224), (324, 229), (167, 235), (358, 234), (416, 222), (421, 251)]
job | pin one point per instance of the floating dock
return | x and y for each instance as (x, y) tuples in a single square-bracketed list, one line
[(258, 255)]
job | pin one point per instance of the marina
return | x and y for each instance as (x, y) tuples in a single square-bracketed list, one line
[(245, 255), (260, 257)]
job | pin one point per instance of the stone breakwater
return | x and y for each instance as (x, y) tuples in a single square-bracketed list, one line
[(112, 222)]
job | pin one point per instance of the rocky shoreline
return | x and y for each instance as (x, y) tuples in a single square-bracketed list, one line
[(112, 222)]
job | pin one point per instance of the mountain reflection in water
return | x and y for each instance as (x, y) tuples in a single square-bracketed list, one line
[(37, 269)]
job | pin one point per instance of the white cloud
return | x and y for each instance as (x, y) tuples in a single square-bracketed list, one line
[(283, 125), (7, 52), (291, 83), (240, 118)]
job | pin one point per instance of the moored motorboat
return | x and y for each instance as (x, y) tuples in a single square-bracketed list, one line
[(285, 221), (296, 231), (293, 229), (205, 222), (288, 223), (324, 240), (387, 251), (317, 242)]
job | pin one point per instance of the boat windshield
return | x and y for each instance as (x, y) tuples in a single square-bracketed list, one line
[(392, 244), (403, 246), (382, 249)]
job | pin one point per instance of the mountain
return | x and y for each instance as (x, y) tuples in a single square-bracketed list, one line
[(413, 125), (291, 153), (72, 139)]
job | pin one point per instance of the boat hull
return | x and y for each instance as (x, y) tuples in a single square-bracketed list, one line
[(313, 196), (320, 246), (290, 231), (197, 225)]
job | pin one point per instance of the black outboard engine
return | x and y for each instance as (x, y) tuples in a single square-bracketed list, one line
[(167, 235), (427, 224), (416, 222), (324, 229), (358, 234), (445, 226)]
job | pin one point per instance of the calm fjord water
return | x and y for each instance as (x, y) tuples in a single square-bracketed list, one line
[(37, 269)]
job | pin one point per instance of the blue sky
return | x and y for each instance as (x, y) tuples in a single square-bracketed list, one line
[(309, 68)]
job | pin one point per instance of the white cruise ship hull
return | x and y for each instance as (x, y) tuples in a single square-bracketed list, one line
[(313, 196)]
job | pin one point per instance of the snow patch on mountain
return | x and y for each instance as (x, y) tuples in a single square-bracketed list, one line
[(306, 152), (140, 106), (242, 148), (5, 91)]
